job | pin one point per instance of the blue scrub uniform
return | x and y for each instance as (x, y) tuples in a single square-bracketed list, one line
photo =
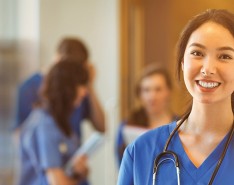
[(43, 146), (137, 164), (28, 95), (120, 143)]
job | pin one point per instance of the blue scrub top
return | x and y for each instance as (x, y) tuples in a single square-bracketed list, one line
[(137, 164), (43, 146), (28, 94), (120, 143)]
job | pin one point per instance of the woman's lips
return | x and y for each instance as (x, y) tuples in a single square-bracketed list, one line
[(207, 86)]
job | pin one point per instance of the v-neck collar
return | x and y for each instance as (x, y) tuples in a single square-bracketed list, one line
[(209, 163)]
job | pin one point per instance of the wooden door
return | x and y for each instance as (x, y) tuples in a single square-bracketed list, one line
[(149, 32)]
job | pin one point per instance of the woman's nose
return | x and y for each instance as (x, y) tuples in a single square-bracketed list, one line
[(208, 67)]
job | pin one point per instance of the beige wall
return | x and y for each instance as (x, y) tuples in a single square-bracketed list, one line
[(27, 36), (96, 22)]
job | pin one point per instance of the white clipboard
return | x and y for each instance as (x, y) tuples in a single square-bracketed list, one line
[(130, 133), (88, 148)]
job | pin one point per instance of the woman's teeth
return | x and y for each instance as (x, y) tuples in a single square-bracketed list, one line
[(208, 84)]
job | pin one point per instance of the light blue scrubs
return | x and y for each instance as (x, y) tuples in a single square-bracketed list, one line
[(137, 164), (28, 95), (43, 146)]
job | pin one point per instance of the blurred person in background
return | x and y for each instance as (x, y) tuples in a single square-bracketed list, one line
[(89, 108), (47, 140), (153, 91)]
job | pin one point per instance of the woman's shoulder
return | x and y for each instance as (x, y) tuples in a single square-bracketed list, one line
[(122, 124), (31, 81), (121, 127), (38, 125), (39, 119)]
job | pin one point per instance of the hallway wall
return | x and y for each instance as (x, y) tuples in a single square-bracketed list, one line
[(96, 22)]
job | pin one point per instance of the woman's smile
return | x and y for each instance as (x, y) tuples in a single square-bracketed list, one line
[(207, 86)]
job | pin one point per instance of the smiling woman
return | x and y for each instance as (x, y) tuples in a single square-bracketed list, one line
[(217, 31), (208, 63), (200, 145)]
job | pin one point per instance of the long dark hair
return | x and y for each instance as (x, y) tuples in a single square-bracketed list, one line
[(60, 88), (222, 17), (138, 117)]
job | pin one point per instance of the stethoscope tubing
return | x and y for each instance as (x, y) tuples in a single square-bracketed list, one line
[(176, 166), (158, 160)]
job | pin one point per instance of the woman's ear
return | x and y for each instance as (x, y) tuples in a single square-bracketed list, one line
[(182, 65)]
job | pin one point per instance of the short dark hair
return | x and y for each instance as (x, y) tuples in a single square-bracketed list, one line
[(73, 48)]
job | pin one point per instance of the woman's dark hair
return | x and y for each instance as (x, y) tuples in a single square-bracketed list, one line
[(222, 17), (59, 90), (74, 48), (139, 116)]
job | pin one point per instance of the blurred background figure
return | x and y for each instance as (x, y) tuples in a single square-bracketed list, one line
[(89, 108), (47, 140), (153, 92)]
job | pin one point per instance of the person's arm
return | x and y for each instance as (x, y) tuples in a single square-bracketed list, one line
[(23, 105), (126, 169), (120, 144), (96, 112), (24, 100), (57, 176), (50, 156), (27, 95)]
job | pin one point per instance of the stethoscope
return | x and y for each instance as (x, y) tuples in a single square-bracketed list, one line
[(172, 156)]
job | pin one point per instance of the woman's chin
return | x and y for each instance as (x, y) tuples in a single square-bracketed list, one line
[(208, 100)]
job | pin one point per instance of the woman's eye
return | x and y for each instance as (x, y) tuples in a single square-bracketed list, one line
[(197, 53), (225, 57), (145, 90)]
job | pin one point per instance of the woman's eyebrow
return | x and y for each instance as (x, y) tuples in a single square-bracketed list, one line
[(225, 48), (197, 45), (219, 49)]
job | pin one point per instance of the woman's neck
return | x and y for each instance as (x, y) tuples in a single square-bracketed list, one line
[(210, 118), (159, 119)]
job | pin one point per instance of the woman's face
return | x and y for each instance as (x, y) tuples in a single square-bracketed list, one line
[(81, 92), (154, 94), (208, 64)]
